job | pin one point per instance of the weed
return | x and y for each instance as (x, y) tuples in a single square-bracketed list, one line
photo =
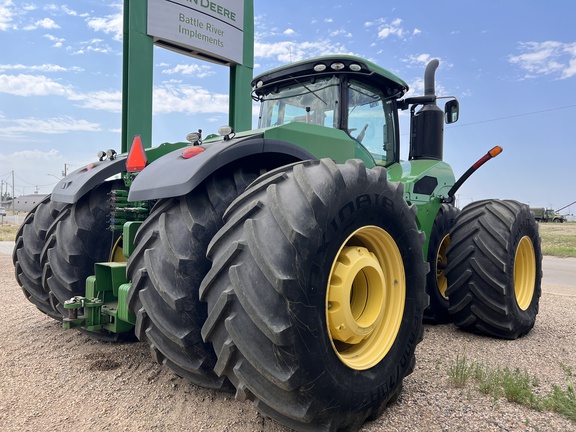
[(514, 385), (460, 371)]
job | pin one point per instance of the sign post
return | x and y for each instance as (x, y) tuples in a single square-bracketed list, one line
[(218, 31)]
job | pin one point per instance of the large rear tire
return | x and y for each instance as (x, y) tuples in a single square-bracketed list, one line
[(78, 238), (495, 269), (30, 240), (166, 270), (436, 281), (316, 294)]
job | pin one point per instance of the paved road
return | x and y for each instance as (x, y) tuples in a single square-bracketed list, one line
[(6, 248), (559, 273)]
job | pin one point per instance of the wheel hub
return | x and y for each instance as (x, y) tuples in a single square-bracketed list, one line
[(365, 297), (356, 295)]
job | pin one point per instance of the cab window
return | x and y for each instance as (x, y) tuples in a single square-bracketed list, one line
[(371, 121), (311, 101)]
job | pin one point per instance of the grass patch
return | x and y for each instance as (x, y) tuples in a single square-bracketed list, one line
[(516, 386), (558, 239), (8, 231)]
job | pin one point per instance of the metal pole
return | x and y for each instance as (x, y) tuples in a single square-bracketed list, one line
[(13, 198)]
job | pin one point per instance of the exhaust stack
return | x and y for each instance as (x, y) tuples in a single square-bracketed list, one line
[(427, 125)]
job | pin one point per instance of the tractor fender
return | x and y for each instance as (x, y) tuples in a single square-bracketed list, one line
[(173, 175), (72, 187)]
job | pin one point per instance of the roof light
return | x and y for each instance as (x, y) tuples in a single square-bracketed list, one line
[(101, 155), (194, 137), (259, 84), (337, 66), (190, 152), (137, 159), (225, 130), (320, 67), (111, 154), (354, 67)]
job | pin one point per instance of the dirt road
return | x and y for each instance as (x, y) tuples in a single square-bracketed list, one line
[(57, 380)]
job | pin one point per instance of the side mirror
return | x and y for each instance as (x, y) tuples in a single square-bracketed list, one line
[(451, 111)]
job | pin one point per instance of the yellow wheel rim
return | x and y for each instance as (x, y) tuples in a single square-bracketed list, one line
[(365, 297), (117, 254), (441, 262), (524, 273)]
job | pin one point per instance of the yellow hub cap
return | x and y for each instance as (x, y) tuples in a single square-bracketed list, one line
[(524, 272), (441, 262), (365, 297)]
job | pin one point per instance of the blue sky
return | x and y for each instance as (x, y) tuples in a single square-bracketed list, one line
[(511, 63)]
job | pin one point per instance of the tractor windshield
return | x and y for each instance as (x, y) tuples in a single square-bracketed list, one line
[(306, 101), (368, 118)]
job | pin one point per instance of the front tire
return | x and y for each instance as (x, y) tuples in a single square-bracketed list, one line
[(316, 294), (495, 269), (436, 281)]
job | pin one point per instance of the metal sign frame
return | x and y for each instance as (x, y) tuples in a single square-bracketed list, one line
[(138, 58)]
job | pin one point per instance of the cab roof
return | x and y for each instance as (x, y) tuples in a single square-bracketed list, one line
[(334, 65)]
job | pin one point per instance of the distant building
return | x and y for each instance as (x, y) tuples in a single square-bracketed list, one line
[(23, 203)]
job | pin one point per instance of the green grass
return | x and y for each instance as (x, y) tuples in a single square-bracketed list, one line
[(8, 231), (516, 386), (558, 239)]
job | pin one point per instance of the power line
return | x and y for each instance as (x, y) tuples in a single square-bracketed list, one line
[(513, 116), (33, 184)]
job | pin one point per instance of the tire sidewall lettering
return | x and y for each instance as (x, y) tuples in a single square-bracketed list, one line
[(367, 209)]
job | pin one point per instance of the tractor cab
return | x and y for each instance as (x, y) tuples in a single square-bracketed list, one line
[(341, 92)]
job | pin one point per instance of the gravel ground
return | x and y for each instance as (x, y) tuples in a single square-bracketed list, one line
[(52, 379)]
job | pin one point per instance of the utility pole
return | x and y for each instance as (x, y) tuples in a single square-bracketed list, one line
[(13, 198)]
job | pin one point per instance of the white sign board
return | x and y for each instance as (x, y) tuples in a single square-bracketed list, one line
[(213, 28)]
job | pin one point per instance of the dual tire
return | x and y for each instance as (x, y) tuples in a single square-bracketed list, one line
[(30, 242), (316, 294), (494, 269)]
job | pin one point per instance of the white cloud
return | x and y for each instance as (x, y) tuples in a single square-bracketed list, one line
[(38, 68), (111, 24), (291, 51), (418, 59), (57, 41), (289, 32), (341, 32), (198, 71), (170, 97), (110, 101), (387, 29), (394, 29), (15, 128), (6, 15), (46, 23), (39, 85), (27, 155), (546, 58), (30, 85)]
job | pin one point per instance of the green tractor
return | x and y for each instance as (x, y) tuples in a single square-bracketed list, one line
[(293, 264)]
